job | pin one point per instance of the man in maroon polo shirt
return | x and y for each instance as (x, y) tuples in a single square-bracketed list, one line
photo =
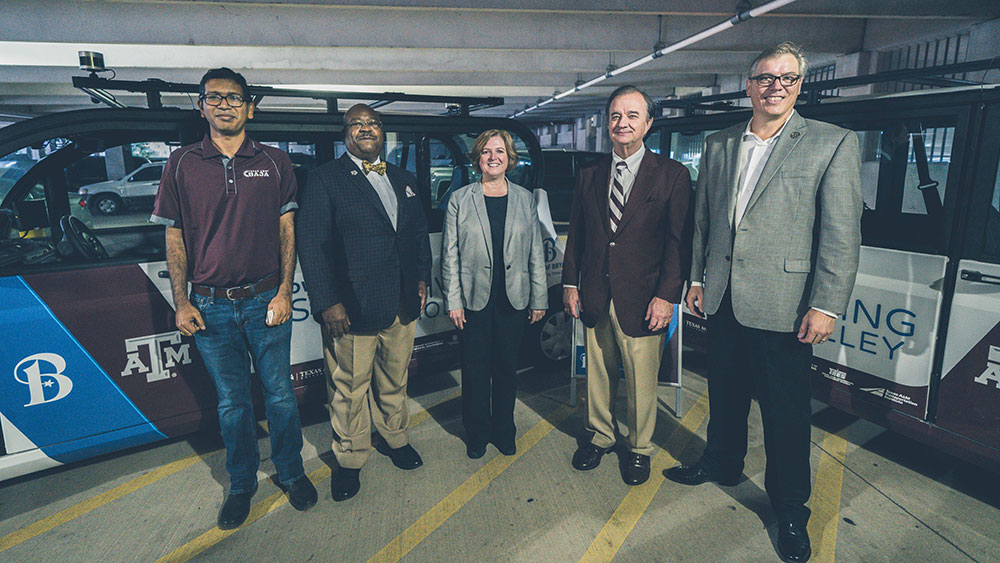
[(228, 204)]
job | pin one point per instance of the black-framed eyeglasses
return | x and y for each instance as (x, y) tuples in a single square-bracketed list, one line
[(234, 100), (371, 123), (787, 80)]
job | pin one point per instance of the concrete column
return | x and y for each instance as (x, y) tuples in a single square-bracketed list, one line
[(115, 161), (856, 64), (984, 43)]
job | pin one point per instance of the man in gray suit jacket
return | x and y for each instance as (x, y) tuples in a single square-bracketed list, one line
[(775, 254)]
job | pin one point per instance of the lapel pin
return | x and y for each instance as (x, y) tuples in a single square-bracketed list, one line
[(795, 134), (354, 172)]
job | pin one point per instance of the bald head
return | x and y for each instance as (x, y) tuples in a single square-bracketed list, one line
[(363, 135)]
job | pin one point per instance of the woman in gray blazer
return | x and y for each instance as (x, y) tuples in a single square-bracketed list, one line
[(493, 270)]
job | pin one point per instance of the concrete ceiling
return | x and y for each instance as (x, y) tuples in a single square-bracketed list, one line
[(521, 50)]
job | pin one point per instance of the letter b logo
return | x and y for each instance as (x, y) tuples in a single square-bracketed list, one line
[(43, 374)]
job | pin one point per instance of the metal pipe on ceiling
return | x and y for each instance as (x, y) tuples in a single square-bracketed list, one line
[(718, 28)]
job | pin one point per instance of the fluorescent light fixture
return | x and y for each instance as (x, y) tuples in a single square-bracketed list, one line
[(731, 22)]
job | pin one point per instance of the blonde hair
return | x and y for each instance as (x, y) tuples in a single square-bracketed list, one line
[(783, 48), (480, 144)]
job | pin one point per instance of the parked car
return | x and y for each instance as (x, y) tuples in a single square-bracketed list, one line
[(135, 190)]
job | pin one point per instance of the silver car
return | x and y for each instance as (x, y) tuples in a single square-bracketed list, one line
[(134, 190)]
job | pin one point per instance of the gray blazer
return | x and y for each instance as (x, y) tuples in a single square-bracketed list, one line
[(798, 243), (467, 251)]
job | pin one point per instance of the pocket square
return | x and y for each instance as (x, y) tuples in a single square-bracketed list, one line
[(410, 192)]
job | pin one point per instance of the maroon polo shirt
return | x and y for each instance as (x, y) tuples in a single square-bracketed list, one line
[(228, 209)]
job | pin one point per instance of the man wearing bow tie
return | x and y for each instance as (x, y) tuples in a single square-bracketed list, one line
[(366, 260)]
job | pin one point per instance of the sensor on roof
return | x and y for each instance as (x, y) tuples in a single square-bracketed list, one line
[(91, 61)]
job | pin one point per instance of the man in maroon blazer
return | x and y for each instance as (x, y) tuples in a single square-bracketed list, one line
[(622, 274)]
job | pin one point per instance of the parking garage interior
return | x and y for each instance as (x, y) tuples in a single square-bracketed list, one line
[(894, 476)]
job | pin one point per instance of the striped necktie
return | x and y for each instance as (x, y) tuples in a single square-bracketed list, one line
[(617, 203)]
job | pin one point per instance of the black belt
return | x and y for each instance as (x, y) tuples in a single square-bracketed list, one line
[(239, 292)]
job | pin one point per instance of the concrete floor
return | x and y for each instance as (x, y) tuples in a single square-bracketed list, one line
[(877, 497)]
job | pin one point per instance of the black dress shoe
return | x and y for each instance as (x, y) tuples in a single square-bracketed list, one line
[(405, 457), (302, 494), (475, 452), (588, 456), (635, 469), (697, 474), (793, 542), (235, 510), (506, 448), (345, 483)]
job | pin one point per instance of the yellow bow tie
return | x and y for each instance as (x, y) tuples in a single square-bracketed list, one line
[(378, 167)]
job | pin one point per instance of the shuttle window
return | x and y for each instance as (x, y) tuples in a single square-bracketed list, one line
[(991, 246), (686, 147), (904, 176), (13, 166), (927, 169)]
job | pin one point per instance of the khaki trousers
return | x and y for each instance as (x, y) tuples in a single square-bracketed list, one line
[(607, 348), (367, 383)]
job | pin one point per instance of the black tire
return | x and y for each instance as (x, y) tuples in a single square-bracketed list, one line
[(104, 204)]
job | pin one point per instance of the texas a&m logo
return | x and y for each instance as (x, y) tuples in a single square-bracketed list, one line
[(992, 372), (155, 354)]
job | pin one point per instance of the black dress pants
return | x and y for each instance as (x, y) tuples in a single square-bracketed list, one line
[(774, 366), (490, 342)]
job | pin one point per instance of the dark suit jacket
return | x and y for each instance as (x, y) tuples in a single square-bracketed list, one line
[(349, 252), (647, 256)]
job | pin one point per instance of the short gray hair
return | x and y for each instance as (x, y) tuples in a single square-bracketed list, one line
[(783, 48)]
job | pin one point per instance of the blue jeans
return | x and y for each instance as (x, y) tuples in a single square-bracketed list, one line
[(235, 331)]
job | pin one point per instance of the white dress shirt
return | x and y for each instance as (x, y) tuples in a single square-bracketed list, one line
[(383, 187), (754, 153)]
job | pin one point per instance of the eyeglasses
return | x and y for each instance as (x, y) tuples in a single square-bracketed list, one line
[(766, 80), (371, 123), (234, 100)]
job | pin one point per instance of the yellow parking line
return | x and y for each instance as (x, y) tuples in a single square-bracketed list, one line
[(826, 499), (258, 510), (442, 511), (426, 413), (611, 537), (273, 502), (79, 509)]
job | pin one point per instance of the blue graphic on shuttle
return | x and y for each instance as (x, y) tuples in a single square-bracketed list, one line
[(53, 391), (42, 372)]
